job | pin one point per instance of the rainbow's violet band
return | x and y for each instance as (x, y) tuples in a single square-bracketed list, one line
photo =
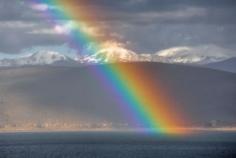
[(59, 11), (144, 100)]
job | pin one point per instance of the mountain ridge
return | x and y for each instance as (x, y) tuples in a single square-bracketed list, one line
[(177, 55), (226, 65)]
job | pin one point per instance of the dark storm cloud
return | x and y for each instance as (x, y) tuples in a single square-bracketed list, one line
[(15, 10), (162, 36), (213, 11), (200, 11), (15, 40), (148, 24)]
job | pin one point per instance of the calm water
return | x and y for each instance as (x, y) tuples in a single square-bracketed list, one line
[(117, 145)]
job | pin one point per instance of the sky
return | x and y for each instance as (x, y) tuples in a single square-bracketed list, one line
[(145, 26)]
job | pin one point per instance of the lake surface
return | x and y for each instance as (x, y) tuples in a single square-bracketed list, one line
[(117, 145)]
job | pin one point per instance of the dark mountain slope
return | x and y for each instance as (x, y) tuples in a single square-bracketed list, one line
[(226, 65), (75, 93)]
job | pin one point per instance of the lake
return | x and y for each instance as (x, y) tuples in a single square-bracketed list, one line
[(117, 145)]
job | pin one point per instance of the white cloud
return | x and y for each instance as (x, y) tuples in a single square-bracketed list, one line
[(134, 2), (43, 31), (176, 15), (40, 7), (66, 27), (17, 24)]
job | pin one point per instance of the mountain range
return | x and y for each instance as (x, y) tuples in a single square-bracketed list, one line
[(47, 85), (204, 56)]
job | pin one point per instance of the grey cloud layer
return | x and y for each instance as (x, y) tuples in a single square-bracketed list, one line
[(213, 10), (148, 24)]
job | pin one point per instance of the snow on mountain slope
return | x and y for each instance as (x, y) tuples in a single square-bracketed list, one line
[(38, 58), (46, 57), (184, 55), (193, 55), (111, 53)]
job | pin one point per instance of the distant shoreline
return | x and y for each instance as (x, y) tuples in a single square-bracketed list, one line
[(188, 130)]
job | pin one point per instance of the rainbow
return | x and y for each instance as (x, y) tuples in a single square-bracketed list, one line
[(143, 100)]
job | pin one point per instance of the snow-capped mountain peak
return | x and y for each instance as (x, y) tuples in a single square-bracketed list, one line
[(174, 51), (193, 55), (37, 58), (48, 57), (112, 53)]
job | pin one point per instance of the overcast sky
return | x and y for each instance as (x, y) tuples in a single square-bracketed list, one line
[(144, 25)]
